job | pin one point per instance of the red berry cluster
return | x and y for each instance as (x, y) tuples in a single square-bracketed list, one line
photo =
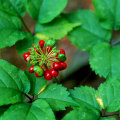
[(45, 59)]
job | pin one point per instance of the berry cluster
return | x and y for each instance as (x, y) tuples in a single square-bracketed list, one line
[(45, 59)]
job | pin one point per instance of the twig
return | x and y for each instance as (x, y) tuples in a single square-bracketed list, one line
[(29, 97)]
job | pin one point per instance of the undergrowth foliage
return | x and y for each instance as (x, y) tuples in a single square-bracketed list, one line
[(25, 97)]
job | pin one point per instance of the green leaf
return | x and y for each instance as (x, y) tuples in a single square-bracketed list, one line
[(109, 95), (36, 83), (56, 29), (13, 84), (105, 59), (33, 8), (38, 110), (3, 109), (45, 10), (107, 119), (50, 9), (89, 33), (57, 96), (13, 7), (10, 30), (85, 96), (108, 13), (82, 114), (23, 45)]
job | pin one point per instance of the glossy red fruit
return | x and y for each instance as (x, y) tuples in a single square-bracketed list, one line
[(56, 66), (47, 75), (41, 43), (31, 69), (37, 75), (49, 49), (62, 51), (26, 55), (54, 73), (63, 65)]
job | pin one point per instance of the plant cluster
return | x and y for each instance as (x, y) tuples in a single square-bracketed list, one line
[(45, 59), (26, 97)]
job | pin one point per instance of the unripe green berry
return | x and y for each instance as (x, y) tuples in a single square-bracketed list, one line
[(55, 60), (51, 43), (61, 57), (38, 70), (54, 54)]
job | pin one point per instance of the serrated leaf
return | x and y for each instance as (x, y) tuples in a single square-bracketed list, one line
[(57, 96), (36, 83), (38, 110), (108, 93), (89, 33), (56, 29), (107, 119), (13, 84), (10, 30), (23, 46), (85, 96), (82, 114), (13, 7), (108, 13), (105, 59)]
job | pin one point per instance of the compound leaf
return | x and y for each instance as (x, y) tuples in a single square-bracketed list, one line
[(89, 33), (13, 84), (82, 114), (13, 7), (56, 29), (105, 59), (38, 110), (108, 95), (108, 12), (85, 96), (57, 96), (10, 30), (45, 10)]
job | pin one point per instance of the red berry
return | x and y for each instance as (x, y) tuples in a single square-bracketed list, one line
[(37, 75), (26, 55), (62, 51), (54, 73), (56, 66), (49, 49), (63, 65), (31, 69), (41, 43), (47, 75)]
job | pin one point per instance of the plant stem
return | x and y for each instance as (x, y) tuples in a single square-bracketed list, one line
[(29, 97), (108, 115), (25, 25), (57, 81)]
